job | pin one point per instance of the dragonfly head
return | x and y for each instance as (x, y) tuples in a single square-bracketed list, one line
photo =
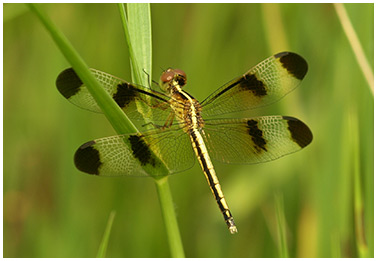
[(172, 78)]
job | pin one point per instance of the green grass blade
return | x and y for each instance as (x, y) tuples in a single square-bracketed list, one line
[(280, 219), (355, 44), (361, 243), (168, 214), (135, 70), (274, 27), (137, 27), (12, 11), (105, 240), (112, 111), (140, 31)]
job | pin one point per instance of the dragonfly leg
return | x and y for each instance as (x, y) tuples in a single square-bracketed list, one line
[(156, 126), (167, 124)]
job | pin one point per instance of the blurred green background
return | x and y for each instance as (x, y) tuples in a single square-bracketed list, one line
[(53, 210)]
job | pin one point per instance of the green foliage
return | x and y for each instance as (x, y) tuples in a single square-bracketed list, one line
[(137, 27), (105, 239), (138, 31), (52, 210), (114, 114), (281, 226)]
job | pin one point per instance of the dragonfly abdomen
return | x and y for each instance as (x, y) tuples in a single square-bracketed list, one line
[(191, 115), (209, 171)]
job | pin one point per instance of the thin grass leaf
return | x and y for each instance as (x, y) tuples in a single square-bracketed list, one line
[(140, 32), (112, 111), (105, 240), (170, 219), (12, 11), (280, 220), (139, 40), (346, 191), (355, 44), (137, 27), (361, 243), (274, 27)]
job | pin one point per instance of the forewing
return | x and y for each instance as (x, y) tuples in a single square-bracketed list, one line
[(136, 154), (265, 83), (255, 140), (136, 101)]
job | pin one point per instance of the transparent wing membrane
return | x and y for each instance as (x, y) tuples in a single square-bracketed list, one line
[(138, 102), (131, 154), (265, 83), (255, 140)]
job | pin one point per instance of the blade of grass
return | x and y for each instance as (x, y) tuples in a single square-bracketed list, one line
[(140, 33), (361, 243), (280, 220), (112, 111), (105, 240), (344, 228), (12, 11), (274, 27), (137, 28), (355, 44), (135, 70), (170, 219)]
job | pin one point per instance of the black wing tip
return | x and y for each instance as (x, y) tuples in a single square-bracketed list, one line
[(294, 64), (68, 83), (87, 158), (300, 132)]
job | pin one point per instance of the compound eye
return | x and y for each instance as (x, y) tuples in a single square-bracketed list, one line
[(167, 76), (180, 72)]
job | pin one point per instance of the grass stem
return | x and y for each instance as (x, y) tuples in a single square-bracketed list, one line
[(137, 28), (105, 240), (280, 219), (355, 44)]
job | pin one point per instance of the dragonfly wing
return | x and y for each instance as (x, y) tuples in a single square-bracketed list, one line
[(136, 101), (265, 83), (136, 154), (255, 140)]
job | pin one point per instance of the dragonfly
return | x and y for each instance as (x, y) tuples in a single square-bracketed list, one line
[(181, 128)]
